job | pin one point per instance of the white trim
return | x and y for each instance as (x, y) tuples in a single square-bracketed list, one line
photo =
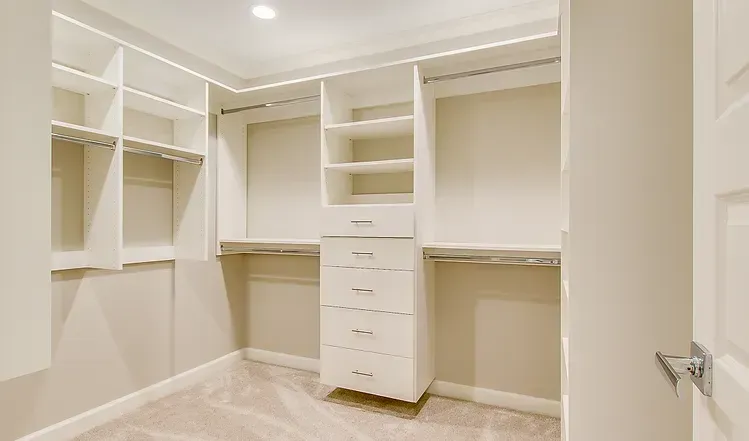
[(285, 360), (507, 400), (90, 419)]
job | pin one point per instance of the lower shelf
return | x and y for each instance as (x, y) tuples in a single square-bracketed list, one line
[(147, 254), (566, 416)]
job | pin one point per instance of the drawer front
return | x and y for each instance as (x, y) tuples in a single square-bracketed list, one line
[(375, 290), (366, 221), (360, 252), (381, 332), (376, 374)]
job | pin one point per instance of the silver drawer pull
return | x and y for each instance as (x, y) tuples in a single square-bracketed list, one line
[(362, 290), (358, 222), (362, 253), (362, 331), (364, 374)]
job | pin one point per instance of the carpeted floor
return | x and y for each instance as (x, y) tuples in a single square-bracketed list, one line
[(254, 401)]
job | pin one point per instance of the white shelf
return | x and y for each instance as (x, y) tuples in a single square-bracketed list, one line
[(63, 128), (271, 246), (153, 105), (472, 249), (377, 128), (373, 167), (76, 81), (147, 254), (566, 286), (158, 147), (69, 260)]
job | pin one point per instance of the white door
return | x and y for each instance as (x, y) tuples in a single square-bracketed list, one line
[(721, 214)]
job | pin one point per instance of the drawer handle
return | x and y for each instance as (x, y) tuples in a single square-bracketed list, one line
[(362, 290), (362, 253), (358, 222), (363, 374), (362, 331)]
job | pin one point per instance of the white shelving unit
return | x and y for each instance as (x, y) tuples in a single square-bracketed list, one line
[(103, 93), (469, 167)]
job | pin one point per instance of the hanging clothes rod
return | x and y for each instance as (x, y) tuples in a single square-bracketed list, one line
[(84, 141), (501, 260), (271, 251), (163, 156), (505, 68), (304, 99)]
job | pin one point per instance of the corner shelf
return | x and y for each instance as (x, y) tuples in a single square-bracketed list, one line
[(566, 354), (566, 416), (566, 287), (63, 128), (153, 105), (378, 128), (159, 147), (76, 81), (373, 167), (69, 260), (147, 254)]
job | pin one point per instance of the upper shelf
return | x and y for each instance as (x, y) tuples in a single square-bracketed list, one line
[(63, 128), (159, 147), (378, 128), (76, 81), (373, 167), (153, 105)]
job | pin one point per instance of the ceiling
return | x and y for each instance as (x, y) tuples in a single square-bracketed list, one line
[(305, 32)]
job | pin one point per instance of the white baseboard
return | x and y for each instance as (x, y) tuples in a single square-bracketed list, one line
[(103, 414), (508, 400), (279, 359)]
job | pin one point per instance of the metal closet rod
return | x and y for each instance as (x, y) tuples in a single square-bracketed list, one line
[(272, 251), (84, 141), (304, 99), (427, 80), (501, 260), (164, 156), (489, 70)]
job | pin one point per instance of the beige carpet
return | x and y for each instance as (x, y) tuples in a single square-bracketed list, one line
[(254, 401)]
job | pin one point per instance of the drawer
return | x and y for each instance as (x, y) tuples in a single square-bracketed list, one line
[(368, 221), (360, 252), (372, 331), (383, 375), (375, 290)]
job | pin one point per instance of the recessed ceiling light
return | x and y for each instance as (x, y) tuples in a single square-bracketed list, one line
[(264, 12)]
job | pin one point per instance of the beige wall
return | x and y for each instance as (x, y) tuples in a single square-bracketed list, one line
[(114, 333)]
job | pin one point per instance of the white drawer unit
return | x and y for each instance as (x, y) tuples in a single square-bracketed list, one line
[(368, 221), (360, 252), (370, 289), (377, 374), (381, 332)]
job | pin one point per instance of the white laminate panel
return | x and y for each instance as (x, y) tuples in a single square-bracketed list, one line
[(360, 252), (372, 331), (377, 374), (395, 220), (375, 290)]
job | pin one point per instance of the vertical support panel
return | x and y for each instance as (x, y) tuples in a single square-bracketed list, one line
[(25, 231), (103, 179), (424, 205), (335, 109), (630, 225), (232, 178), (191, 194)]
